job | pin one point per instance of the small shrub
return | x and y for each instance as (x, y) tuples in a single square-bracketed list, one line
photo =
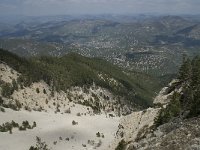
[(39, 145), (78, 114), (6, 127), (44, 91), (2, 109), (83, 145), (37, 90), (33, 148), (26, 124), (121, 146), (34, 125), (98, 134), (1, 101), (21, 128), (74, 123), (68, 111), (7, 90), (14, 124), (55, 142), (18, 104), (27, 108)]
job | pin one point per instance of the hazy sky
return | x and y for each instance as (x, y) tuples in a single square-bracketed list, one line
[(54, 7)]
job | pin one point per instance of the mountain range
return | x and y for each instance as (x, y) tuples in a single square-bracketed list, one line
[(150, 44)]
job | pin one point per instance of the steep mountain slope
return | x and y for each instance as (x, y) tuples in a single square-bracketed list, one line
[(176, 123), (134, 127), (60, 96), (74, 70), (53, 113)]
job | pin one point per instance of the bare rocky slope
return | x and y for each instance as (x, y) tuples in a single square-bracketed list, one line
[(134, 127), (177, 135), (180, 133)]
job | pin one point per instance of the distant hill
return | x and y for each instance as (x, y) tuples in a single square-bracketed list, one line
[(151, 41)]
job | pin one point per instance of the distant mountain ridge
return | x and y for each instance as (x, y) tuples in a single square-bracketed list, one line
[(166, 37)]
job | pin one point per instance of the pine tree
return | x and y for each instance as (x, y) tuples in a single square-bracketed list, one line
[(172, 110), (185, 71), (195, 106), (195, 72)]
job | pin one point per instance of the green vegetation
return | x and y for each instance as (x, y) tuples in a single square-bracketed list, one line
[(12, 106), (8, 89), (146, 86), (5, 127), (185, 70), (74, 123), (16, 105), (172, 110), (98, 134), (37, 90), (95, 106), (193, 91), (189, 99), (61, 73), (44, 91), (1, 101), (39, 145), (2, 109), (121, 146)]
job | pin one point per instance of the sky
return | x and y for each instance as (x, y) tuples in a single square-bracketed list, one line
[(64, 7)]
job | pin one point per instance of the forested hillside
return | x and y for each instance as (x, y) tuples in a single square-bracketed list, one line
[(70, 70)]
